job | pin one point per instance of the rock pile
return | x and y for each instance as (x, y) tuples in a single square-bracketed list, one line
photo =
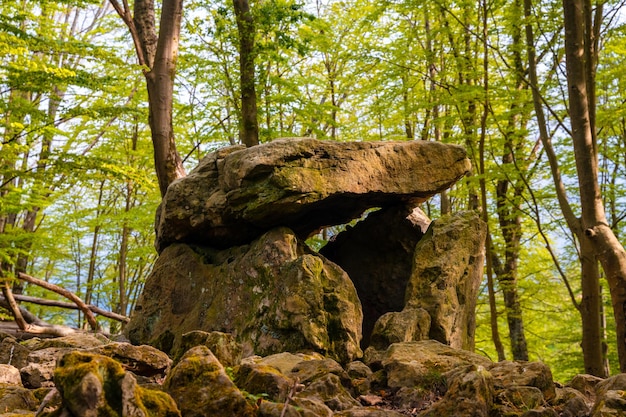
[(233, 257), (88, 375)]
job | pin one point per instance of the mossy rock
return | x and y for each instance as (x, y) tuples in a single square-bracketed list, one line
[(96, 385)]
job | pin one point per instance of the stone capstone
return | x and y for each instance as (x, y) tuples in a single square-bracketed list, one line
[(273, 295), (236, 194)]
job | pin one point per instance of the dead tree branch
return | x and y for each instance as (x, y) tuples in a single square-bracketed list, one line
[(65, 293)]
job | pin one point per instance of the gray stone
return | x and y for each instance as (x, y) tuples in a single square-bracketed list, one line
[(235, 194), (408, 325), (447, 272), (274, 295)]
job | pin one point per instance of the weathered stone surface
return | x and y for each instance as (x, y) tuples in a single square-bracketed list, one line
[(585, 384), (10, 375), (509, 374), (237, 193), (360, 375), (517, 399), (470, 393), (285, 362), (93, 385), (76, 340), (258, 379), (15, 397), (41, 364), (13, 353), (273, 295), (447, 271), (331, 391), (201, 388), (141, 360), (223, 345), (572, 403), (610, 397), (408, 325), (377, 253), (424, 363)]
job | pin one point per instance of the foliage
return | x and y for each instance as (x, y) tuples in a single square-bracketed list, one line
[(77, 190)]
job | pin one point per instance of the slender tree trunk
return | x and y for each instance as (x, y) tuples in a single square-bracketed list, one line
[(249, 125), (597, 241), (158, 54), (160, 82), (588, 308)]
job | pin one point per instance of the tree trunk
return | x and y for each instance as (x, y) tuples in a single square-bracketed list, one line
[(601, 241), (160, 82), (249, 125), (159, 55)]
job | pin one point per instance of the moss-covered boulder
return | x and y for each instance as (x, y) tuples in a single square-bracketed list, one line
[(424, 363), (15, 398), (235, 194), (141, 360), (447, 272), (93, 385), (200, 386), (273, 295)]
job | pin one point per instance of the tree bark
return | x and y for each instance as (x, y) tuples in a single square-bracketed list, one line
[(249, 125), (158, 55), (598, 241)]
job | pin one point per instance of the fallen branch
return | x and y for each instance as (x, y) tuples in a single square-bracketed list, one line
[(65, 293), (63, 304), (13, 306)]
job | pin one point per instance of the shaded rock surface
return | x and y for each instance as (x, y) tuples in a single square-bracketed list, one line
[(377, 253), (424, 378), (273, 295), (446, 274), (235, 194)]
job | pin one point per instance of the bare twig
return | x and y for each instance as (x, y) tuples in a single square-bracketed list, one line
[(295, 389)]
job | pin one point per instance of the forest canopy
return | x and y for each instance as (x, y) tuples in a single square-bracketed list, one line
[(80, 134)]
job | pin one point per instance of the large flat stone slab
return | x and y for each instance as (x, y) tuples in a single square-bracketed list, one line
[(236, 193)]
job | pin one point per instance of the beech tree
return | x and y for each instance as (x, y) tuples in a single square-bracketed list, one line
[(158, 56), (249, 124), (598, 242)]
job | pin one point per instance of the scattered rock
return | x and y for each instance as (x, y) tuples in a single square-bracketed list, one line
[(408, 325), (424, 378), (41, 364), (14, 398), (200, 387), (223, 345), (10, 375), (12, 352), (424, 363), (610, 397), (509, 374), (141, 360), (96, 385)]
